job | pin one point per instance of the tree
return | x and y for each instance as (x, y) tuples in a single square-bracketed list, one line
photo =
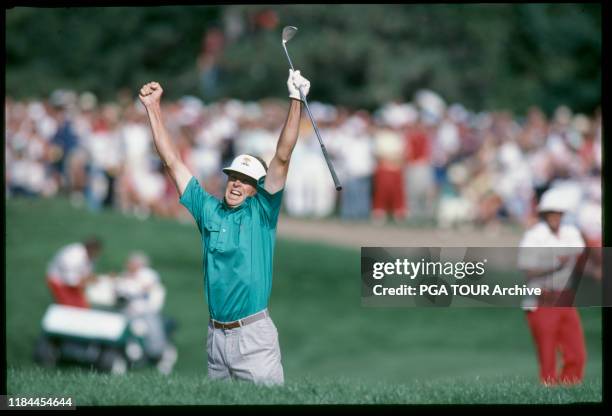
[(485, 56)]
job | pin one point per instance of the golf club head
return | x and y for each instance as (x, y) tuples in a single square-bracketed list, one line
[(288, 33)]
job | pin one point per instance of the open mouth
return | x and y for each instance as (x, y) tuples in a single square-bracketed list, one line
[(235, 193)]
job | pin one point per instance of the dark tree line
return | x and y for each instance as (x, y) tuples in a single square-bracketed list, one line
[(485, 56)]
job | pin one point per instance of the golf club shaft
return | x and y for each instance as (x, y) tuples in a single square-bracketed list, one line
[(323, 149), (287, 54), (316, 129)]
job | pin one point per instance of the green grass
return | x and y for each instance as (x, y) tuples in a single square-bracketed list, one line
[(150, 388), (329, 342)]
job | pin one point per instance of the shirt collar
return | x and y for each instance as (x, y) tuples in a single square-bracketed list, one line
[(234, 209)]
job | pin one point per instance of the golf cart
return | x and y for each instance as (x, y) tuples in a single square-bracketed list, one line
[(101, 338)]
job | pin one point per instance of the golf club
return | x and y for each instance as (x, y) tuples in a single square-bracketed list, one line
[(288, 34)]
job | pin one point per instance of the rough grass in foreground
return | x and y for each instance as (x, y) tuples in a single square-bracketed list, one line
[(150, 388), (416, 355)]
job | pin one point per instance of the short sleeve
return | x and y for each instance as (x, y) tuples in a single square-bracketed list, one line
[(529, 253), (270, 204), (71, 277), (194, 198), (576, 239), (574, 243), (149, 276)]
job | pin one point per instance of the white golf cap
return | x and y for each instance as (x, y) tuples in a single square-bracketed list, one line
[(553, 200), (247, 165)]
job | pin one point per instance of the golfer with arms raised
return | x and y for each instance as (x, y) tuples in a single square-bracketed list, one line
[(238, 235)]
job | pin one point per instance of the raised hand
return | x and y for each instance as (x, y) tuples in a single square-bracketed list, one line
[(150, 94), (297, 82)]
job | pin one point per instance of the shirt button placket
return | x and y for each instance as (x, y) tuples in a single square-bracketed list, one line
[(223, 235)]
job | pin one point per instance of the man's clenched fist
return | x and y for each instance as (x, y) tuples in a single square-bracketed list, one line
[(150, 94)]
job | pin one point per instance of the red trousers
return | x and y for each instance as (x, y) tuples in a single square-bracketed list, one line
[(558, 329), (67, 295), (389, 190)]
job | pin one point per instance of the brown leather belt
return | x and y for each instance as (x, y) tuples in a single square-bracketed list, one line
[(241, 322)]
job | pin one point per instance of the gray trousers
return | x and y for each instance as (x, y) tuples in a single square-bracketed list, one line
[(250, 352), (419, 186), (155, 340)]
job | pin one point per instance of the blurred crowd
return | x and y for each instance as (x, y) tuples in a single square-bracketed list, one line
[(422, 160)]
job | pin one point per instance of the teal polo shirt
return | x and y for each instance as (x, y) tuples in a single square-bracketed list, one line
[(237, 249)]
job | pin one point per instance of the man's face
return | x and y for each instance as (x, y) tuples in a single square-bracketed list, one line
[(553, 219), (238, 188), (133, 266)]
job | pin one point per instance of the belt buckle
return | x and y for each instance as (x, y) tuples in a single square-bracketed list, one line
[(228, 325)]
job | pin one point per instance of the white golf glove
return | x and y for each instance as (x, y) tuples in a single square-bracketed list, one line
[(297, 82)]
